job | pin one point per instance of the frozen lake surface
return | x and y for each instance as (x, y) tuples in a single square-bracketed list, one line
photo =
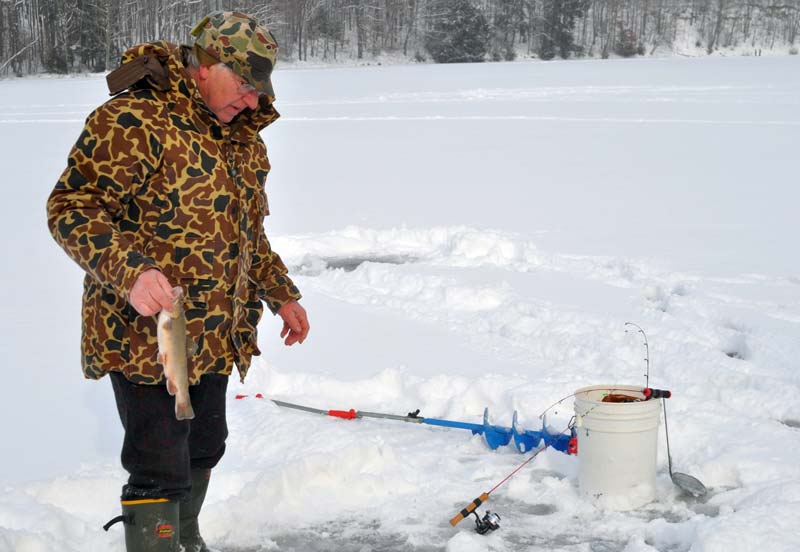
[(464, 236)]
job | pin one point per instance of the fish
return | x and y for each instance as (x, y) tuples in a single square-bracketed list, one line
[(173, 352)]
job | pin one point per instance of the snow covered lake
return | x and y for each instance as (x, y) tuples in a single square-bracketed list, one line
[(464, 236)]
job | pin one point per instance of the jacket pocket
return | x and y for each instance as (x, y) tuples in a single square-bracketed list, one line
[(189, 256), (142, 362), (104, 342)]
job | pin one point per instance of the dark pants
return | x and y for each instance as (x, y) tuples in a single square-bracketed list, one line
[(159, 451)]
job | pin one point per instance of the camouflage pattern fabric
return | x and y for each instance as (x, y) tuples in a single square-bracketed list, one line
[(155, 181), (236, 40)]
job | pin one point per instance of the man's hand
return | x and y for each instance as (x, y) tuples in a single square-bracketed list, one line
[(150, 293), (295, 323)]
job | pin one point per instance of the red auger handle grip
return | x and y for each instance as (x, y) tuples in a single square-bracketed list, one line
[(469, 509), (346, 414), (650, 393)]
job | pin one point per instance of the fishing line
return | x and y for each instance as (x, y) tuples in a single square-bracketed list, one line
[(569, 427), (610, 389)]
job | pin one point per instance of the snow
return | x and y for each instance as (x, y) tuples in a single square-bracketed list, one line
[(465, 236)]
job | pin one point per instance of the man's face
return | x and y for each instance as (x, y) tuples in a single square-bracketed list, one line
[(225, 92)]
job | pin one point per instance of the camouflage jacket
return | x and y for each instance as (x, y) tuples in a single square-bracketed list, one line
[(156, 181)]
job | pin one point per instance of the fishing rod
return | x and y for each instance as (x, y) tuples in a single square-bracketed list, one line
[(646, 352)]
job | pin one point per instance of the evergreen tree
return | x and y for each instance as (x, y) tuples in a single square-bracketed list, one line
[(458, 34), (507, 22), (627, 44), (91, 35), (559, 24)]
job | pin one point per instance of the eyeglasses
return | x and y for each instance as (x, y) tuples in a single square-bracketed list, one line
[(245, 87)]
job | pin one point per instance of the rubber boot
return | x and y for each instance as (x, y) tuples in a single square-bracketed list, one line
[(190, 510), (151, 525)]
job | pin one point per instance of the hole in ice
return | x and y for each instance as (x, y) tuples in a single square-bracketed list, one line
[(348, 264), (314, 266), (468, 460), (538, 475), (538, 509), (566, 541), (738, 355), (736, 347), (346, 536), (677, 514), (710, 510)]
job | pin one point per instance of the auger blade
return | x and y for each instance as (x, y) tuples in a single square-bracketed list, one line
[(496, 436), (524, 440)]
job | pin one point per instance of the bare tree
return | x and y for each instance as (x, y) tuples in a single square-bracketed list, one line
[(89, 35)]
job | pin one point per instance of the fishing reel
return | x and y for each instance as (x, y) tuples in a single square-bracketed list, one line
[(490, 522)]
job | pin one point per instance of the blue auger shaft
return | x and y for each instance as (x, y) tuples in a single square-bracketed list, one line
[(476, 429)]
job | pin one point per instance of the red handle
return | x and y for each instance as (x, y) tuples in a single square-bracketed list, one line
[(650, 393), (346, 414), (573, 446)]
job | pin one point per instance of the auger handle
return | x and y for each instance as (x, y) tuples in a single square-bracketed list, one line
[(650, 393), (346, 414), (469, 509)]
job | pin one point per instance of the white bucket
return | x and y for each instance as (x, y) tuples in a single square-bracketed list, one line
[(617, 446)]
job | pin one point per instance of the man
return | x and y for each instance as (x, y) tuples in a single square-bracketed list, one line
[(164, 188)]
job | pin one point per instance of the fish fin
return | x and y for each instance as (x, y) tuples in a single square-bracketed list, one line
[(162, 358), (191, 346), (171, 387), (184, 411), (168, 323)]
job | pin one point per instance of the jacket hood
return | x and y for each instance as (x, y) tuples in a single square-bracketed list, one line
[(177, 80)]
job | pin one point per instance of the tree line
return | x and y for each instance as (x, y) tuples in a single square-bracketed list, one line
[(64, 36)]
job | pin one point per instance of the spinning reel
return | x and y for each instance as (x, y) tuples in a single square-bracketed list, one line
[(490, 522)]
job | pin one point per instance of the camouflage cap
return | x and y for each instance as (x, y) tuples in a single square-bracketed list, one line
[(239, 42)]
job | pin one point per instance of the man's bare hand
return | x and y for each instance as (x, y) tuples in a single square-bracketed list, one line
[(295, 323), (150, 293)]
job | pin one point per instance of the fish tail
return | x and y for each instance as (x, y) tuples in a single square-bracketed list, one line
[(183, 409)]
